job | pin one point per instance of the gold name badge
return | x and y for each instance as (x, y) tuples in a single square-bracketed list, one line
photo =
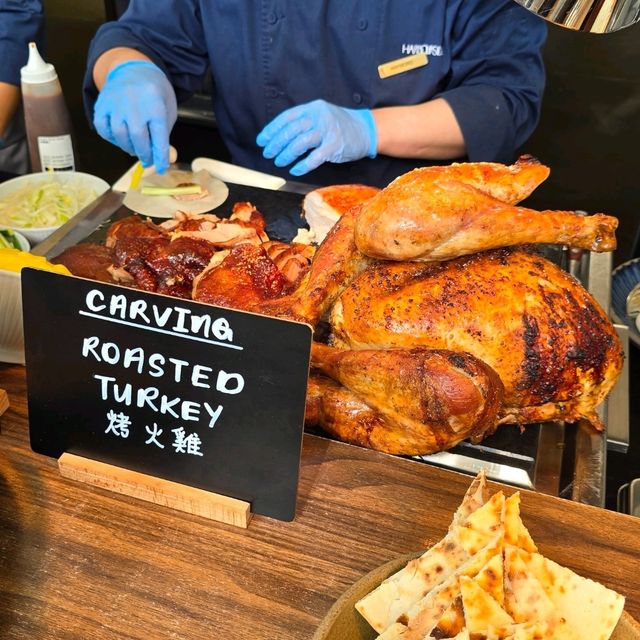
[(401, 65)]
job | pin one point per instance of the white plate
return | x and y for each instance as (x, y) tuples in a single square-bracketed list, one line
[(623, 279)]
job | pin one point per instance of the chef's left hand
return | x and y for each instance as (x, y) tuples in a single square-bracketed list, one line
[(335, 134)]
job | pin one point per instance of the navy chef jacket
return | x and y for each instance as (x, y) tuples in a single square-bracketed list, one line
[(484, 58), (21, 22)]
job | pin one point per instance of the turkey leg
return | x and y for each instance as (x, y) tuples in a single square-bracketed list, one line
[(448, 395)]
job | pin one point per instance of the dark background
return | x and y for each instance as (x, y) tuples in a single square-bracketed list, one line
[(588, 134)]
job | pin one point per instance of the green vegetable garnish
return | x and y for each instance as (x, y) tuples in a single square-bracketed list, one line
[(171, 191), (8, 240)]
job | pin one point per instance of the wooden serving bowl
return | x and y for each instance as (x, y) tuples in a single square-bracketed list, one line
[(343, 622)]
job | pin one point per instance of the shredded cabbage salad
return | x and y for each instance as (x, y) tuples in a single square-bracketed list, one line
[(44, 204)]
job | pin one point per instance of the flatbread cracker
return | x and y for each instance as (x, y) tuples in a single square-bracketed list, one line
[(397, 594), (486, 580), (491, 579), (474, 498), (590, 609), (515, 533), (423, 617), (481, 611), (526, 600)]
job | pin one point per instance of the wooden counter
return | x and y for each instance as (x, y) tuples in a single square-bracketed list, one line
[(78, 562)]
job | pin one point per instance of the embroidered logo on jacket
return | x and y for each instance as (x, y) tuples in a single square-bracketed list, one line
[(428, 49)]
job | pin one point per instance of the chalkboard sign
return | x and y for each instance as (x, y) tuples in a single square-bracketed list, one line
[(196, 394)]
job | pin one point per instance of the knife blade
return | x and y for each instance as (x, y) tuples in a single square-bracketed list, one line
[(297, 187)]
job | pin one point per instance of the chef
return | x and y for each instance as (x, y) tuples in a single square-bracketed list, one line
[(335, 91), (20, 23)]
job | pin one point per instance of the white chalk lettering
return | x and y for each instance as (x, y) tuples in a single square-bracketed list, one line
[(123, 396), (200, 376), (104, 385), (145, 396), (89, 347), (155, 364), (161, 319), (176, 407), (182, 315), (166, 406), (110, 353), (177, 320), (91, 298), (155, 360), (118, 306), (224, 379), (119, 424), (134, 358), (214, 414), (222, 330), (137, 309), (179, 365), (190, 410)]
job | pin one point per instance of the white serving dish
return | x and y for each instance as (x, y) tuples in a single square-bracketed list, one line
[(11, 332), (623, 279), (37, 235)]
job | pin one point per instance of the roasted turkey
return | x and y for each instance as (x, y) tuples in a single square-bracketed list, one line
[(554, 348), (417, 265)]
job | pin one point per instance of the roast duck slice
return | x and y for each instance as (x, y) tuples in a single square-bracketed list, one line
[(199, 256)]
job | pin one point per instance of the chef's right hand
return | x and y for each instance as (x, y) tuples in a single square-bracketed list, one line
[(136, 110)]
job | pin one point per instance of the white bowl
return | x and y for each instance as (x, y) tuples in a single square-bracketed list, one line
[(11, 333), (36, 235)]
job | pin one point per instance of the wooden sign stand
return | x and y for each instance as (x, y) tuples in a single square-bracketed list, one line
[(4, 401), (164, 492)]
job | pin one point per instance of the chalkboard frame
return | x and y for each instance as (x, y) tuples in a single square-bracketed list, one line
[(252, 450)]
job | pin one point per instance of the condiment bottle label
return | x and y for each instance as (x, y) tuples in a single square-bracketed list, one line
[(56, 153)]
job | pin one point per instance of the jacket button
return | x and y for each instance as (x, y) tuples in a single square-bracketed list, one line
[(271, 92), (357, 98), (363, 24), (272, 18)]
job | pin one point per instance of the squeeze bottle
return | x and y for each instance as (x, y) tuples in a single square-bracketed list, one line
[(46, 116)]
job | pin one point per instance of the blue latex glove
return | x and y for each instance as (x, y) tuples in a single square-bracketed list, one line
[(136, 111), (334, 133)]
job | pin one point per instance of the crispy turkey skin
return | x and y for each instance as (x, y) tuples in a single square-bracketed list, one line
[(554, 348)]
